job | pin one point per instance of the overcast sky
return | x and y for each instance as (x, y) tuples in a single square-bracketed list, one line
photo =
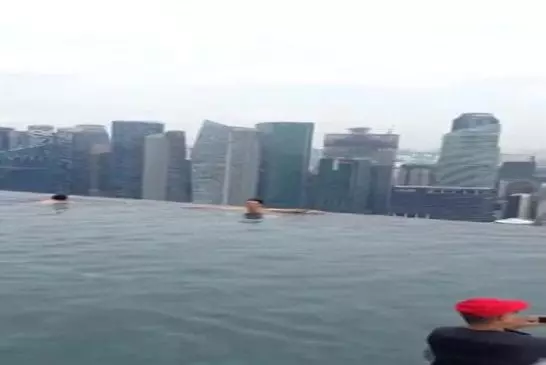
[(413, 65)]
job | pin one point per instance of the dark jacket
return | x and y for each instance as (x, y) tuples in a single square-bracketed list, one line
[(464, 346)]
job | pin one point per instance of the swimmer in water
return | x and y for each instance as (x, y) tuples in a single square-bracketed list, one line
[(56, 199), (254, 209)]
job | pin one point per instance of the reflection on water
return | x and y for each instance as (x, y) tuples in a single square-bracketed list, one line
[(60, 207), (135, 282)]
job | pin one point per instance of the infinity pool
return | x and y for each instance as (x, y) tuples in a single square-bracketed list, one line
[(141, 283)]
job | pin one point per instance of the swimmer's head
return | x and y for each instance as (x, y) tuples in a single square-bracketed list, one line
[(59, 197), (254, 205)]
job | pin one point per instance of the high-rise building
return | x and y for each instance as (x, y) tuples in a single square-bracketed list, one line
[(507, 187), (314, 160), (225, 162), (380, 189), (19, 139), (86, 138), (517, 170), (128, 139), (517, 177), (341, 185), (44, 167), (380, 149), (285, 152), (524, 211), (415, 174), (518, 206), (540, 174), (449, 203), (208, 157), (167, 172), (40, 134), (29, 169), (541, 205), (242, 166), (100, 170), (63, 141), (470, 153), (5, 138)]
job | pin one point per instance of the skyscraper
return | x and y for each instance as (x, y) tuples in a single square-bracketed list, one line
[(208, 157), (314, 159), (19, 139), (380, 149), (167, 172), (518, 206), (100, 171), (63, 141), (242, 166), (380, 189), (5, 138), (128, 156), (40, 134), (86, 138), (415, 174), (341, 186), (436, 202), (225, 162), (285, 152), (541, 208), (470, 153), (33, 169), (517, 177)]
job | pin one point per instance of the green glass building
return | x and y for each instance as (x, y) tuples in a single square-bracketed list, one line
[(341, 186), (284, 164)]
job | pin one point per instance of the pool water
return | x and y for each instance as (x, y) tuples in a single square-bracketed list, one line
[(139, 282)]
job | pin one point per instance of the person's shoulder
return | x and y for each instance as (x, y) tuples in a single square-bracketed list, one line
[(461, 330), (446, 330), (440, 333)]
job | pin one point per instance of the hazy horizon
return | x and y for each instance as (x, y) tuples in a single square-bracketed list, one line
[(410, 66)]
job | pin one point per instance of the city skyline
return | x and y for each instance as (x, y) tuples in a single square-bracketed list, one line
[(358, 171), (38, 133)]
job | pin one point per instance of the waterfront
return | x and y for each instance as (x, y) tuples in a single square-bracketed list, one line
[(139, 282)]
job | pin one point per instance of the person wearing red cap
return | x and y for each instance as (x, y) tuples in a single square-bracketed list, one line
[(491, 336)]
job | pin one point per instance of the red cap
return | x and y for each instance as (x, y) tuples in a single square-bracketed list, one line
[(490, 307)]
